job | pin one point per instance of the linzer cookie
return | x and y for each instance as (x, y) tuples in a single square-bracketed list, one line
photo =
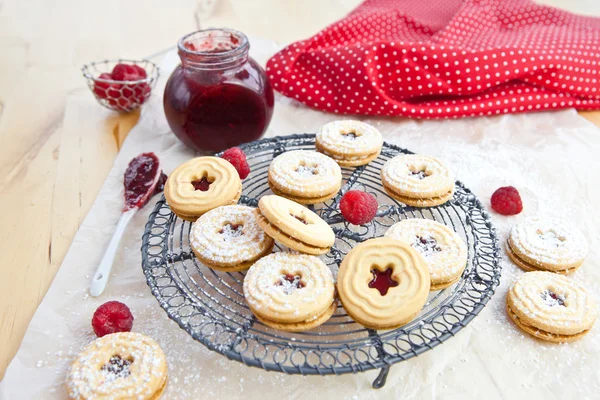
[(201, 184), (546, 244), (551, 307), (229, 238), (307, 177), (118, 366), (416, 180), (290, 292), (383, 283), (350, 143), (443, 249), (294, 225)]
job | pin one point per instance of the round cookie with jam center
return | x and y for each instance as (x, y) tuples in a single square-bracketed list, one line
[(121, 365), (383, 283), (290, 292), (551, 307), (305, 176), (228, 238), (294, 225), (443, 249), (417, 180), (201, 184), (546, 244), (350, 143)]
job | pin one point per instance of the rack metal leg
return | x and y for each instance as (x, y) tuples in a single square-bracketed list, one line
[(379, 382)]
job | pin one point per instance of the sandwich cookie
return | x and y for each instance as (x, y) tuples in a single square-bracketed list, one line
[(443, 249), (294, 225), (290, 292), (417, 180), (551, 307), (201, 184), (350, 143), (123, 365), (228, 238), (539, 244), (305, 176), (383, 283)]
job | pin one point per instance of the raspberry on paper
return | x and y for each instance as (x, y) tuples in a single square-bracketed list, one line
[(112, 317), (507, 201)]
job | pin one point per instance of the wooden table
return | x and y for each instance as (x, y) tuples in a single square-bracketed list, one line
[(57, 145)]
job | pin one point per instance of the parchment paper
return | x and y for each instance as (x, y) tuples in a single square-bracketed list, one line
[(551, 157)]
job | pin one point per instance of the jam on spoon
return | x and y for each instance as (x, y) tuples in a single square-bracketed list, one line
[(143, 179)]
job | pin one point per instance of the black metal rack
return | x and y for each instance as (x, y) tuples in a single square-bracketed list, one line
[(210, 305)]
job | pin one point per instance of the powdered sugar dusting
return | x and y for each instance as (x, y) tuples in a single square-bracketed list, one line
[(229, 235), (306, 171), (552, 299)]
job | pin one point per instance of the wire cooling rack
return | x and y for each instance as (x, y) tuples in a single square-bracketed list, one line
[(210, 305)]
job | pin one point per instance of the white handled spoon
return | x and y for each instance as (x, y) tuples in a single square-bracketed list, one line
[(143, 179)]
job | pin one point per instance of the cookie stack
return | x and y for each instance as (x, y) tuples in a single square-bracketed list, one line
[(382, 283), (543, 302)]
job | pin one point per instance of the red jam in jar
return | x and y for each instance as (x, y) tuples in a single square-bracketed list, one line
[(218, 97)]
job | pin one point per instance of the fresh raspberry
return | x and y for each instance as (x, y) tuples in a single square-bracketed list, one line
[(141, 72), (237, 158), (125, 72), (102, 88), (111, 317), (358, 207), (141, 91), (507, 201)]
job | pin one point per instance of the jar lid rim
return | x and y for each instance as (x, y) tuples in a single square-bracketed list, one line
[(240, 48)]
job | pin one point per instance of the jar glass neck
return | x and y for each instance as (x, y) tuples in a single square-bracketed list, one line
[(213, 49)]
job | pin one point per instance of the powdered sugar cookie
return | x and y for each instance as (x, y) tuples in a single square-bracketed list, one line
[(350, 143), (417, 180), (294, 225), (546, 244), (290, 292), (443, 249), (305, 176), (383, 283), (201, 184), (229, 238), (551, 307), (124, 365)]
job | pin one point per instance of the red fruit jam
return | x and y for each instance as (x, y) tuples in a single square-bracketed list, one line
[(218, 97), (143, 179), (382, 280)]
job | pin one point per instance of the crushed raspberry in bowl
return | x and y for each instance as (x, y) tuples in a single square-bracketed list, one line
[(121, 85)]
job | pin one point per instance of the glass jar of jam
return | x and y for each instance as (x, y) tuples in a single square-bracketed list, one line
[(218, 97)]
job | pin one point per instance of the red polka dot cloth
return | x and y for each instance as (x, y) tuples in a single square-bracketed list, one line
[(445, 58)]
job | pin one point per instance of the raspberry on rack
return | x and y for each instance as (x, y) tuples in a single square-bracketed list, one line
[(237, 158), (507, 201), (112, 317), (358, 207)]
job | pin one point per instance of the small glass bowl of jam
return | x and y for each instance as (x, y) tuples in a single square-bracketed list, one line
[(218, 97)]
